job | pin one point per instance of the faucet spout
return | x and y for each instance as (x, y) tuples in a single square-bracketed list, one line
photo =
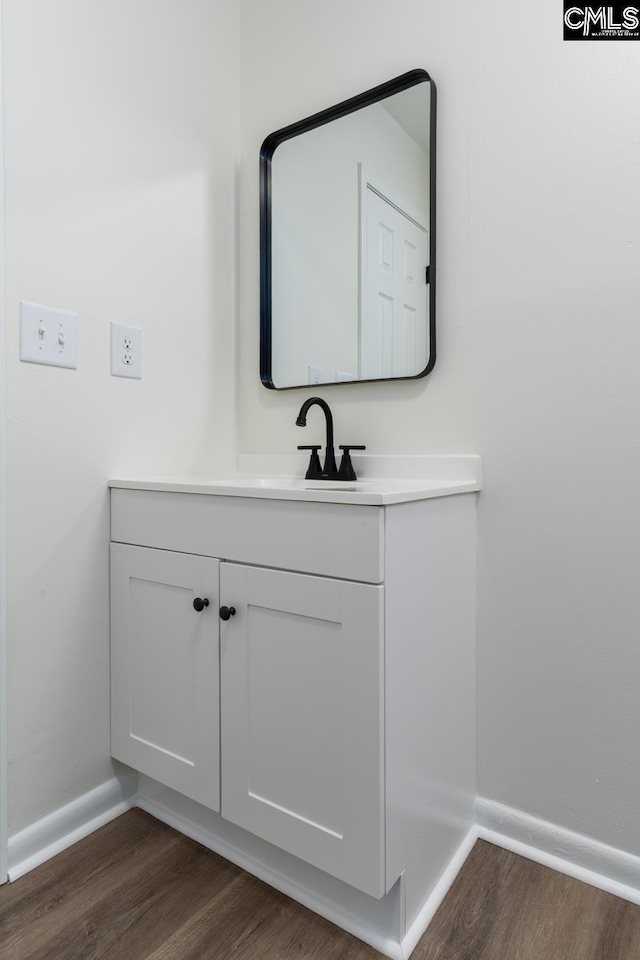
[(330, 469)]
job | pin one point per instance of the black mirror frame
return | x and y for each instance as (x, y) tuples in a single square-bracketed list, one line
[(271, 142)]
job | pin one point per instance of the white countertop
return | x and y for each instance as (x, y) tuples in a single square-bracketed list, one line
[(436, 477)]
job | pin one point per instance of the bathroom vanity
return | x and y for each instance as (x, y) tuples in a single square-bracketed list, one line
[(298, 659), (293, 663)]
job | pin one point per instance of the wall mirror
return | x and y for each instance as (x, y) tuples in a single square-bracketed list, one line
[(347, 238)]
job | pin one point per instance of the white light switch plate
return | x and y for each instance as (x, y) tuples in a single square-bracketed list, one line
[(48, 335), (126, 351)]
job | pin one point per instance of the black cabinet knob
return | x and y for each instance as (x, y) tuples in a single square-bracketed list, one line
[(199, 604), (227, 612)]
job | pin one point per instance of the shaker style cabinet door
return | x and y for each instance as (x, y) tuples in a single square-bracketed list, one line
[(165, 668), (303, 716)]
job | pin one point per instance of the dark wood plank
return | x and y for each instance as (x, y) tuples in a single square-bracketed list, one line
[(137, 890)]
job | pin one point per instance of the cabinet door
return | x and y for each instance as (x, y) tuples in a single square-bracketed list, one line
[(302, 718), (165, 669)]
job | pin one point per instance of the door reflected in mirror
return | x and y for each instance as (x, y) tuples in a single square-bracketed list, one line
[(348, 240)]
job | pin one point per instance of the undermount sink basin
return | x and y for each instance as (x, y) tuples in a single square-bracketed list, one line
[(294, 483)]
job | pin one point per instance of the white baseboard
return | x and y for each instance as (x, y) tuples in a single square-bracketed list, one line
[(356, 925), (570, 853), (439, 892), (274, 878), (563, 850), (64, 827), (61, 829)]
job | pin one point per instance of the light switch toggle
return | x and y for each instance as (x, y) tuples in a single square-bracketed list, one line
[(48, 335)]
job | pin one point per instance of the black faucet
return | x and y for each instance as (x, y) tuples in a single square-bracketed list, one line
[(330, 470)]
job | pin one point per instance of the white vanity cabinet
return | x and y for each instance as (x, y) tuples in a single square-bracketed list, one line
[(333, 713)]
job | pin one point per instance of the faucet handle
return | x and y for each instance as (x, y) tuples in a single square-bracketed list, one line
[(346, 471), (314, 470)]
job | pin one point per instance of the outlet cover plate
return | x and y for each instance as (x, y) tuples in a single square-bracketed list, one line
[(48, 335), (126, 351)]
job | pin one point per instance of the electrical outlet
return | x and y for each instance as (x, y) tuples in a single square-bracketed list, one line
[(316, 374), (126, 351)]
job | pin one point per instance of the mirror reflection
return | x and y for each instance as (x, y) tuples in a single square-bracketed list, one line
[(348, 272)]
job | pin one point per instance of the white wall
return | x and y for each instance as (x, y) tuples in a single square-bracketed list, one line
[(539, 352), (122, 145)]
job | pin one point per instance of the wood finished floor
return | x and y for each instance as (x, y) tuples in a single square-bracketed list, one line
[(137, 890)]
